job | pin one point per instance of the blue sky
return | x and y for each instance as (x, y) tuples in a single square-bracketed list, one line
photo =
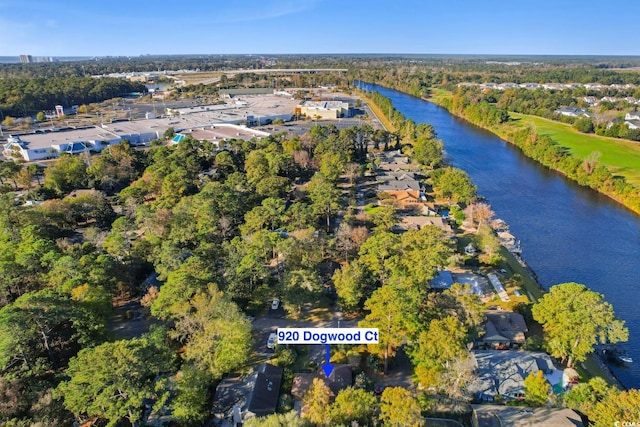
[(134, 27)]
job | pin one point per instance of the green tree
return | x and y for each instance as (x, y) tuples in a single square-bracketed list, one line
[(299, 216), (273, 186), (353, 405), (353, 281), (299, 288), (325, 197), (91, 205), (115, 167), (584, 125), (575, 319), (468, 306), (316, 402), (224, 163), (216, 335), (440, 344), (377, 251), (8, 121), (584, 396), (384, 217), (455, 185), (67, 173), (536, 389), (190, 403), (25, 178), (34, 326), (169, 133), (617, 407), (428, 151), (35, 170), (398, 408), (40, 116), (331, 165), (257, 166), (487, 240), (113, 380), (394, 315), (422, 253), (290, 419), (247, 262), (9, 170), (181, 285)]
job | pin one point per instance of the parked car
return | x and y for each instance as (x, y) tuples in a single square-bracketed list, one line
[(271, 342), (275, 304)]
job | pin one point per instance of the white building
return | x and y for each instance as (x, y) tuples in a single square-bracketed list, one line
[(256, 110), (573, 112), (632, 124), (48, 145), (324, 109)]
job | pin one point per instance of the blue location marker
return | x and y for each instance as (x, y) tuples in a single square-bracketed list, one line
[(328, 367)]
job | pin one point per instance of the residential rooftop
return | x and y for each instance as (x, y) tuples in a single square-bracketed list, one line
[(519, 416), (502, 372)]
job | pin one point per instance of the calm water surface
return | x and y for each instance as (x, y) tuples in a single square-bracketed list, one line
[(568, 233)]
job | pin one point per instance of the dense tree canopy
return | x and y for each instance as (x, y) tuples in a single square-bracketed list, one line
[(399, 409), (454, 185), (217, 336), (394, 315), (22, 96), (113, 380)]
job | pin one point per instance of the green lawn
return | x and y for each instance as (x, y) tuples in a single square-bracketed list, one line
[(370, 208), (621, 157), (439, 95)]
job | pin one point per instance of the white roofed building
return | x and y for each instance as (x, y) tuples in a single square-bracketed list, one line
[(324, 109)]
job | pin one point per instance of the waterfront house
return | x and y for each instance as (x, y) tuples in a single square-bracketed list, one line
[(402, 199), (502, 373), (503, 329), (410, 222)]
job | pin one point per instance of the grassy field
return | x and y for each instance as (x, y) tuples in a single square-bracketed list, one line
[(621, 157), (438, 95), (200, 77)]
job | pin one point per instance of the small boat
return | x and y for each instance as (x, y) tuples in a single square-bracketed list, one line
[(616, 355)]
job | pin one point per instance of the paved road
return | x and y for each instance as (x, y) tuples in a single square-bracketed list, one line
[(264, 325)]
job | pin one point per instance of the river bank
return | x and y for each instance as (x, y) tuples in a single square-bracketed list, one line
[(593, 366), (508, 134)]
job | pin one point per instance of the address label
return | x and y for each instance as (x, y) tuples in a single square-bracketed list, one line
[(327, 336)]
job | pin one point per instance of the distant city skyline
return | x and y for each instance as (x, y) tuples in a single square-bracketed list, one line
[(129, 28)]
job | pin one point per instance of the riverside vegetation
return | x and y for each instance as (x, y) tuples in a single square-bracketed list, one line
[(490, 109)]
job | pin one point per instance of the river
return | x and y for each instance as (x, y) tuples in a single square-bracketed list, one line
[(568, 233)]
